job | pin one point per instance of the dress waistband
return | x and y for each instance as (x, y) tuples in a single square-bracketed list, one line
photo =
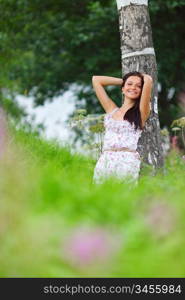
[(121, 149)]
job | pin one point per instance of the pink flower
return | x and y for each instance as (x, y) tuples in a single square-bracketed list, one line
[(87, 246)]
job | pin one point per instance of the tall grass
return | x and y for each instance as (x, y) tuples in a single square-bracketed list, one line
[(54, 222)]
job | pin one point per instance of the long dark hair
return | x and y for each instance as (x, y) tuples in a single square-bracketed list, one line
[(133, 115)]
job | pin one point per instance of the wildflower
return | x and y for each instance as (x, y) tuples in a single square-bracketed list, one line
[(89, 246), (179, 122), (174, 142), (81, 111)]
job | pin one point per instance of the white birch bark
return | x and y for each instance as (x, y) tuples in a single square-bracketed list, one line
[(137, 54)]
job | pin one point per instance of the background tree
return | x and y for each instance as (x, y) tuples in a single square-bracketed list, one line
[(46, 46), (138, 55)]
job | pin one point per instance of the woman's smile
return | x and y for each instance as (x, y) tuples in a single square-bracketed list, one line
[(132, 87)]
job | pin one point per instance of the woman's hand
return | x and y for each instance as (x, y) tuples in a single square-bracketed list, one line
[(147, 77)]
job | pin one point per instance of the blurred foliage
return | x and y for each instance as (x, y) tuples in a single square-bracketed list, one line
[(179, 122), (48, 45), (91, 130), (178, 126), (12, 109), (168, 31), (47, 196)]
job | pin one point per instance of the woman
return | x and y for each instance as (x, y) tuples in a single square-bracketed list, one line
[(123, 125)]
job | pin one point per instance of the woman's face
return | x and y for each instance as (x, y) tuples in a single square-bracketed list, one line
[(133, 87)]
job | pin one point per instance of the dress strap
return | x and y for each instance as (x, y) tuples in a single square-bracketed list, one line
[(115, 109)]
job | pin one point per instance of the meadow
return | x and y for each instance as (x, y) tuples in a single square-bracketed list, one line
[(54, 222)]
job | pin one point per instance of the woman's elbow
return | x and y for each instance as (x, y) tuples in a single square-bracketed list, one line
[(94, 78)]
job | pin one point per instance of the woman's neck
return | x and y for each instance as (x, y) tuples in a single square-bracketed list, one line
[(128, 103)]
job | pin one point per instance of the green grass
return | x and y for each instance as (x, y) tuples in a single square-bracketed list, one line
[(47, 197)]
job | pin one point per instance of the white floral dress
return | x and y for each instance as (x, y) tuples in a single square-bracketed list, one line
[(120, 164)]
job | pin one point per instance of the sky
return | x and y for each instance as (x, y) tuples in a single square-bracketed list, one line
[(53, 115)]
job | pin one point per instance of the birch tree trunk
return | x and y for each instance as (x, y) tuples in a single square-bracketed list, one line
[(138, 55)]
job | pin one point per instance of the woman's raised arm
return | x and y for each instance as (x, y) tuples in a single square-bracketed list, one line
[(98, 84), (146, 98)]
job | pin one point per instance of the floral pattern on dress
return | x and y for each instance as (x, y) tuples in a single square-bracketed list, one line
[(119, 164)]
